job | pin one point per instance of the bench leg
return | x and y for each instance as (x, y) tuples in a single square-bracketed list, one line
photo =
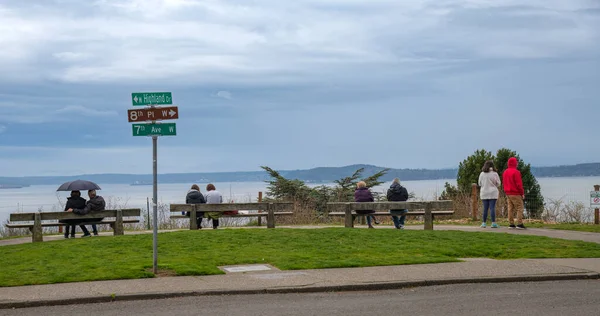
[(118, 229), (271, 218), (193, 223), (349, 221), (428, 218), (36, 232)]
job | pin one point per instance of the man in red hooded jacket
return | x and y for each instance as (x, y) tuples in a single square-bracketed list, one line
[(513, 187)]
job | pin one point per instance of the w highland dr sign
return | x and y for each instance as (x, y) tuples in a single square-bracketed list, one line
[(151, 98)]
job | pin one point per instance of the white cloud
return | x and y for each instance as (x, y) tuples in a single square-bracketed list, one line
[(224, 94), (81, 110), (150, 40), (2, 129)]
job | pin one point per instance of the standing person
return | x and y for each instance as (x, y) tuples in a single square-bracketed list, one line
[(74, 201), (195, 197), (94, 204), (515, 194), (213, 197), (362, 194), (489, 181), (397, 193)]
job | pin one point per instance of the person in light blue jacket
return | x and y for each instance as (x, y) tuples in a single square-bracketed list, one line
[(489, 181), (213, 197)]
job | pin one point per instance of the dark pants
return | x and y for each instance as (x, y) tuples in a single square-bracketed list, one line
[(491, 205), (94, 228), (215, 222), (72, 229)]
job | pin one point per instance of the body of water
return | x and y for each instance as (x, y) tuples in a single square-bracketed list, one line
[(45, 197)]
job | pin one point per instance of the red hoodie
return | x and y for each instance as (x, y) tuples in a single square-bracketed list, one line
[(511, 179)]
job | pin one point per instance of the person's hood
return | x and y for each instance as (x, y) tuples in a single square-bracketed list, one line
[(194, 194), (512, 162), (395, 186)]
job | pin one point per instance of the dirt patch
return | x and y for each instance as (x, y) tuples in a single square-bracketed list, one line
[(161, 273)]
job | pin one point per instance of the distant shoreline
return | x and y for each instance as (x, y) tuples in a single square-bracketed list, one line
[(313, 176)]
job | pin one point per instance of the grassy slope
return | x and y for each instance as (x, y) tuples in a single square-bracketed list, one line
[(201, 252)]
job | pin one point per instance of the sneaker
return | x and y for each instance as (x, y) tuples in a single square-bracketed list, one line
[(376, 222), (520, 226), (86, 235), (483, 225), (95, 233), (401, 227), (67, 236), (494, 225), (512, 226)]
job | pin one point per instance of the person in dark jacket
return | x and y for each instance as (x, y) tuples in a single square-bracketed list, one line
[(96, 203), (362, 194), (74, 201), (195, 197), (397, 193)]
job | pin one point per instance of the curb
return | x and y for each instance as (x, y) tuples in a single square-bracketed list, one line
[(311, 289)]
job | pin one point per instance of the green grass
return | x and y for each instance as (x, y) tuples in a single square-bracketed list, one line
[(201, 252)]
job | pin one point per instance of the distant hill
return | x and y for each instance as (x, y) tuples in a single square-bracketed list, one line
[(315, 175)]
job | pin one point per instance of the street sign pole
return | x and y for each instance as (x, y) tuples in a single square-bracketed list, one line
[(153, 114), (155, 199), (596, 210)]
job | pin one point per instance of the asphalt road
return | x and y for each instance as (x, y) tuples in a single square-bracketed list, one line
[(531, 299)]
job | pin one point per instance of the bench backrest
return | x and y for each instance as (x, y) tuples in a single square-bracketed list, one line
[(377, 206), (17, 217), (224, 207)]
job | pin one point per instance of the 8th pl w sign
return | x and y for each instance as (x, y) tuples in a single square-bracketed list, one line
[(153, 114)]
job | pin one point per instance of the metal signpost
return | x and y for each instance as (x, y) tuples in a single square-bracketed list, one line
[(154, 129)]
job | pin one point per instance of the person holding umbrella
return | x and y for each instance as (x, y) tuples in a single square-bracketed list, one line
[(94, 204), (74, 201)]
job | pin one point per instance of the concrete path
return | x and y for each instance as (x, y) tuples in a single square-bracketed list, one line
[(302, 281)]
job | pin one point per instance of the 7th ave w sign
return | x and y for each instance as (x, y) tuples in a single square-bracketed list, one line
[(162, 129)]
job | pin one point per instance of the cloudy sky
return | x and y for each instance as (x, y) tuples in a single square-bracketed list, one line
[(297, 84)]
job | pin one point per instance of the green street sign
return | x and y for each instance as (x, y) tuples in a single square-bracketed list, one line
[(595, 194), (164, 129), (151, 98)]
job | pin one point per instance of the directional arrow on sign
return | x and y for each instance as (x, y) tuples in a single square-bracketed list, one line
[(153, 114)]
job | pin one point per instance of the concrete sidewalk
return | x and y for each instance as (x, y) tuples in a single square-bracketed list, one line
[(271, 280)]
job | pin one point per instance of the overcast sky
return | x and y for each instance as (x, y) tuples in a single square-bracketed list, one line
[(297, 84)]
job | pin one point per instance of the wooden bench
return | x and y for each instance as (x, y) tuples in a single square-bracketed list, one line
[(427, 209), (17, 220), (270, 210)]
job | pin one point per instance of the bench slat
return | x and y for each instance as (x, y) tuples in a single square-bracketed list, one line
[(436, 205), (18, 217), (239, 215), (410, 213), (125, 221), (224, 207)]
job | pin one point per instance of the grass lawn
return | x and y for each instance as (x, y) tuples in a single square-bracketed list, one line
[(528, 223), (201, 252)]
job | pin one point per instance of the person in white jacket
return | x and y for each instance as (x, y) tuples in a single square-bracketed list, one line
[(489, 181)]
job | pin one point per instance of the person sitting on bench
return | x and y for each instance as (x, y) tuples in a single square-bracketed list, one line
[(94, 204)]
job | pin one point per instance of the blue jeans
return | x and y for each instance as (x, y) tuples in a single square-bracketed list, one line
[(491, 205), (398, 222), (366, 213)]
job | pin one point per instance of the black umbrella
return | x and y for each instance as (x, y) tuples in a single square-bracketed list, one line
[(78, 185)]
